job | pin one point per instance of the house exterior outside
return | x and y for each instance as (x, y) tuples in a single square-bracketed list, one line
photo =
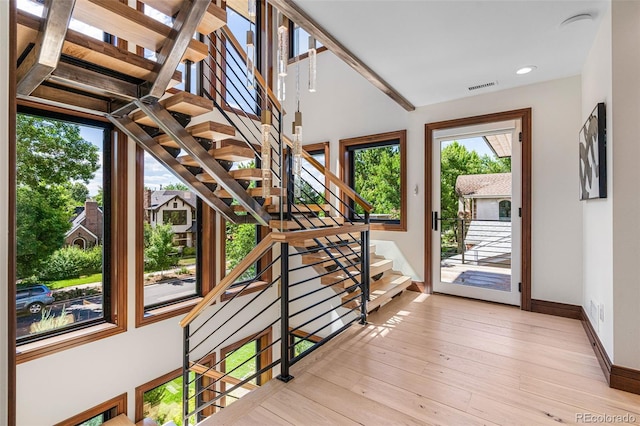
[(86, 226), (485, 197), (175, 207)]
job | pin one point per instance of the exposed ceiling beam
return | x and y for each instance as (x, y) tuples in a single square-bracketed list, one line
[(44, 57), (296, 14)]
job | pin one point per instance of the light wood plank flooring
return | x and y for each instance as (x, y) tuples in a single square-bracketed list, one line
[(442, 360)]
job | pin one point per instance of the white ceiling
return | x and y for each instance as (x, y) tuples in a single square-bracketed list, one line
[(432, 51)]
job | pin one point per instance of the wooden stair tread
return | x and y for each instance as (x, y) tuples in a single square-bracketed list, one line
[(381, 291), (206, 130), (234, 153), (331, 239), (238, 174), (352, 253), (132, 25), (214, 18), (315, 222), (253, 192), (91, 50), (375, 268), (182, 102), (119, 420), (218, 375), (275, 208)]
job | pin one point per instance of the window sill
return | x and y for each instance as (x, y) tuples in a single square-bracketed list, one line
[(33, 350), (165, 312), (252, 288)]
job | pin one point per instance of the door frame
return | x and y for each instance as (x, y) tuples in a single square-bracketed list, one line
[(524, 115)]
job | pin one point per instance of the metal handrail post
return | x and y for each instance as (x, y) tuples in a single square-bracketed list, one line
[(284, 314)]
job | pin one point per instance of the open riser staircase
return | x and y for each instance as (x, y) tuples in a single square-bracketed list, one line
[(316, 273)]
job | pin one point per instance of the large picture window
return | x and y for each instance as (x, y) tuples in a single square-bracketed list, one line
[(99, 414), (375, 166), (63, 214), (172, 237)]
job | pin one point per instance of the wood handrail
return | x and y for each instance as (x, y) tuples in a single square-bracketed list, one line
[(229, 279), (346, 189), (308, 234), (236, 45)]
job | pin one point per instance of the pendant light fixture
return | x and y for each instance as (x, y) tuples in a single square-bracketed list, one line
[(297, 153), (283, 56), (312, 64), (266, 152), (251, 51)]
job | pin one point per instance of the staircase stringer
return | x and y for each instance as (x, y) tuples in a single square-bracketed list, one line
[(171, 127), (146, 142)]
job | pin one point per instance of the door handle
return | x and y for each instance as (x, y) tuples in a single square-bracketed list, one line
[(434, 221)]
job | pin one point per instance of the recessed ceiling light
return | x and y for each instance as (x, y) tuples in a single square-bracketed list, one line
[(577, 18), (526, 70)]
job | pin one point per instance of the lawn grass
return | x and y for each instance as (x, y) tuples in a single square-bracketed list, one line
[(187, 261), (95, 278)]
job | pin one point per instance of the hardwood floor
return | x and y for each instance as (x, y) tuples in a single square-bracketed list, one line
[(444, 360)]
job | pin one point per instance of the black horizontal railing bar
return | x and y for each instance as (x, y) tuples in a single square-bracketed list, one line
[(345, 204), (317, 317), (316, 331), (349, 311), (225, 61), (240, 328), (320, 275), (321, 288), (255, 335), (322, 342), (245, 286), (309, 307), (243, 382)]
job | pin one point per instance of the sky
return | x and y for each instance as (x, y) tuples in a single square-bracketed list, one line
[(473, 144)]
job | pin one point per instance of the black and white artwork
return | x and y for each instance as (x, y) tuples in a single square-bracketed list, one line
[(593, 155)]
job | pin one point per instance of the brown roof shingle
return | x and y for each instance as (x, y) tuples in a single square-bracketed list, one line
[(489, 185)]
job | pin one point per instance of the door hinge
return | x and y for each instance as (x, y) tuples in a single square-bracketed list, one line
[(520, 137), (520, 287), (519, 211)]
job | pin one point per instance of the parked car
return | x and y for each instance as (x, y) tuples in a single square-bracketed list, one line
[(33, 298)]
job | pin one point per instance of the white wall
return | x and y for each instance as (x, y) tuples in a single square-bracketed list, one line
[(4, 200), (346, 105), (626, 177), (597, 231)]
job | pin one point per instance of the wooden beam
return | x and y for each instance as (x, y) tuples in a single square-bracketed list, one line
[(300, 17)]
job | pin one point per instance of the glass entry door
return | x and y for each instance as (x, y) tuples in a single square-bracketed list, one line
[(475, 218)]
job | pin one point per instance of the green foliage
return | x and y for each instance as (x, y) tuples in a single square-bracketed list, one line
[(52, 152), (377, 179), (178, 186), (240, 240), (42, 217), (72, 262), (188, 251), (100, 197), (52, 161), (308, 194), (79, 192), (160, 251), (457, 160)]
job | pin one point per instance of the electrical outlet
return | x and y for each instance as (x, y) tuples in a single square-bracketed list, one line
[(602, 312)]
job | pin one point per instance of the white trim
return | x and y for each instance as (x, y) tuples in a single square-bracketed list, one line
[(83, 227)]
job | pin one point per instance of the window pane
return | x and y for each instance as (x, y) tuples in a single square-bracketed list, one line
[(301, 42), (312, 190), (240, 240), (237, 94), (301, 345), (241, 364), (164, 403), (94, 421), (170, 237), (376, 177), (60, 215)]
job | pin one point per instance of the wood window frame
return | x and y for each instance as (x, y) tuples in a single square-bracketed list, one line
[(345, 172), (325, 147), (265, 260), (116, 319), (263, 339), (172, 375), (119, 404), (205, 253), (524, 115)]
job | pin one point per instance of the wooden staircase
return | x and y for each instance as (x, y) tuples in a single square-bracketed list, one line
[(64, 68)]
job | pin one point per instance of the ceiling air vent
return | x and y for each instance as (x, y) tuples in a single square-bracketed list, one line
[(483, 85)]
